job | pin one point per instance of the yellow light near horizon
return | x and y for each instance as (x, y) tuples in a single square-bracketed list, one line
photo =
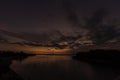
[(48, 50), (33, 49)]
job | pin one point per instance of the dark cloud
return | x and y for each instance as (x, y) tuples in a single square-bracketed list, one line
[(98, 31), (45, 15)]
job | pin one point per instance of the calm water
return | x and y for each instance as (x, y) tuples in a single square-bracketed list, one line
[(43, 67)]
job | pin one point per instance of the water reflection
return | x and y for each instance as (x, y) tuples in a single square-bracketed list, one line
[(62, 68), (53, 68)]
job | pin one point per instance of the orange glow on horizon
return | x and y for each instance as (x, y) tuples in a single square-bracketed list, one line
[(35, 50)]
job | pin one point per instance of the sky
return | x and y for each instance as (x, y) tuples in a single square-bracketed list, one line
[(46, 15)]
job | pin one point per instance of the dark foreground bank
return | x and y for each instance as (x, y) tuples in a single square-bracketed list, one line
[(6, 58)]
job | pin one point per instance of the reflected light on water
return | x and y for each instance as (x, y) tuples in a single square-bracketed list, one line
[(46, 67)]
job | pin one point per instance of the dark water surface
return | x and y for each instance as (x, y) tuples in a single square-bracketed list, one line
[(51, 67)]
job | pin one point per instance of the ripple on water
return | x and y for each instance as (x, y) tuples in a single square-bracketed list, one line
[(53, 68)]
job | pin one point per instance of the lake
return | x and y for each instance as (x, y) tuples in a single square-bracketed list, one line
[(56, 67)]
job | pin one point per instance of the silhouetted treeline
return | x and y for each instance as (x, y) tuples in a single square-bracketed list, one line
[(14, 55), (99, 56)]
